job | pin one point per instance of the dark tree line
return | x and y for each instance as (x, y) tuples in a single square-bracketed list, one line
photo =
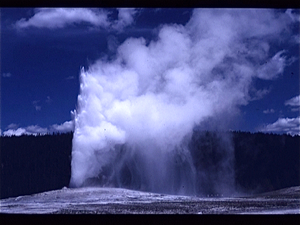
[(266, 162), (32, 164), (258, 162)]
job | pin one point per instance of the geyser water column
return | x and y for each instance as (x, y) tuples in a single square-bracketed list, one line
[(116, 127), (136, 112)]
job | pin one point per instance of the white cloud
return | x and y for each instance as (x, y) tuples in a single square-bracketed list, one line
[(54, 18), (267, 111), (6, 75), (286, 125), (12, 126), (65, 127), (49, 100), (295, 101), (34, 129), (70, 78), (61, 17), (17, 132), (36, 105), (30, 130)]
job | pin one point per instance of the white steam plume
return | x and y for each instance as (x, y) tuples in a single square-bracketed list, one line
[(136, 113)]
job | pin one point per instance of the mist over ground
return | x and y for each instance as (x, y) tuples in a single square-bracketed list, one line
[(136, 111)]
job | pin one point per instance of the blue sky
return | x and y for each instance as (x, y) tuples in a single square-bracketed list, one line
[(43, 50)]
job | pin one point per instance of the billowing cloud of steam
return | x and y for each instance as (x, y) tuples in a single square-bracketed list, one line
[(125, 18), (136, 112)]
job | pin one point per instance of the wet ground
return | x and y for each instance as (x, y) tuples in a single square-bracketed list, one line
[(121, 201)]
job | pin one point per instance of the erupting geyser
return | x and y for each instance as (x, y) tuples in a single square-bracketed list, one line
[(136, 112)]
